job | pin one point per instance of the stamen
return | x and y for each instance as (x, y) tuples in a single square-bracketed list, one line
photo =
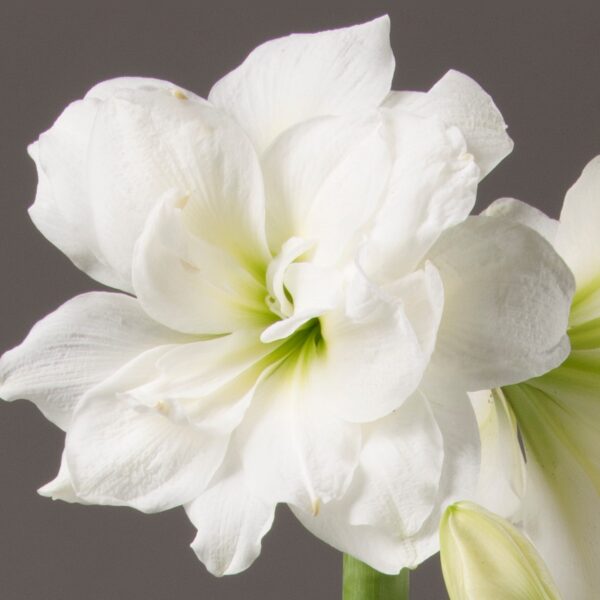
[(179, 94), (163, 407), (316, 507)]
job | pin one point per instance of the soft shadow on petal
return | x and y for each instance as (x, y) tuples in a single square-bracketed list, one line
[(521, 212), (149, 143), (458, 100), (74, 348), (406, 536), (432, 186), (372, 358), (126, 453), (61, 487), (190, 284), (293, 448), (558, 415), (295, 78), (326, 196), (577, 240), (231, 522), (64, 206), (507, 300), (502, 478)]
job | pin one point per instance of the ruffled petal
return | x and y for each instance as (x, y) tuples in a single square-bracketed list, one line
[(507, 301), (124, 452), (328, 196), (432, 185), (521, 212), (373, 358), (190, 284), (401, 461), (64, 206), (71, 350), (458, 100), (406, 536), (293, 448), (295, 78), (231, 523), (150, 143)]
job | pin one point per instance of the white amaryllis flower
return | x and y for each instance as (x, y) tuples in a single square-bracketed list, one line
[(484, 557), (555, 495), (311, 301)]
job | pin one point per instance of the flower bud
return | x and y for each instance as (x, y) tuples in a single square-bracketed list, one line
[(484, 557)]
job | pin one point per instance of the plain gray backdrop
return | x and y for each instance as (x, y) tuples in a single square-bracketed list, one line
[(540, 61)]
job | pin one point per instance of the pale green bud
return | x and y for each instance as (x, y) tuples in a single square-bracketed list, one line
[(484, 557)]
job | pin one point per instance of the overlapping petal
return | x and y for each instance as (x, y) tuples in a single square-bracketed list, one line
[(292, 79), (502, 477), (458, 100), (123, 452), (77, 346), (558, 416), (231, 522), (327, 196), (316, 451), (190, 284), (419, 473), (373, 358), (65, 206), (431, 187), (507, 300)]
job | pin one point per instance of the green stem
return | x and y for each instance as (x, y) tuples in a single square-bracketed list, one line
[(361, 582)]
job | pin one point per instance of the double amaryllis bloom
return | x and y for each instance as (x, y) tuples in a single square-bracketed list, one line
[(305, 300)]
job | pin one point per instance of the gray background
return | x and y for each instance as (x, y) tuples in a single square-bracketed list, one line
[(540, 61)]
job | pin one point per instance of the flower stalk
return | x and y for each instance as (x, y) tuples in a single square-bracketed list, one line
[(361, 582)]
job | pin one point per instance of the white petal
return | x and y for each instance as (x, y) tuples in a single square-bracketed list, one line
[(63, 209), (372, 359), (149, 143), (520, 212), (577, 239), (458, 100), (231, 523), (432, 187), (295, 78), (502, 477), (192, 285), (293, 448), (120, 452), (401, 460), (324, 179), (507, 300), (314, 290), (422, 297), (61, 487), (389, 547), (209, 383), (71, 350)]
